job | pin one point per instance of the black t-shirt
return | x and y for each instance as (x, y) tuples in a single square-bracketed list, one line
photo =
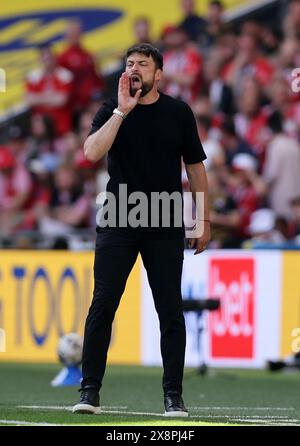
[(147, 151)]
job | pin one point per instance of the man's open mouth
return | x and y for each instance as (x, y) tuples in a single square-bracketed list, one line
[(135, 80)]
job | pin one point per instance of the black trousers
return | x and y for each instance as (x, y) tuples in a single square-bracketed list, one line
[(115, 255)]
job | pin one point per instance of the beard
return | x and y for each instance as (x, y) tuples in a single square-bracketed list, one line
[(136, 83)]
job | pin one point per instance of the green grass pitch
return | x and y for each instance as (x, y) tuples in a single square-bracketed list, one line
[(132, 396)]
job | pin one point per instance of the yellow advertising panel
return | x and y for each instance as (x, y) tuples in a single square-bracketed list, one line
[(107, 29), (46, 294), (290, 302)]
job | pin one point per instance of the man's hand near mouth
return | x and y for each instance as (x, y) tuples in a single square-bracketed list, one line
[(127, 102)]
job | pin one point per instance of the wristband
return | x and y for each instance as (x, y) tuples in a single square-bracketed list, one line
[(119, 113)]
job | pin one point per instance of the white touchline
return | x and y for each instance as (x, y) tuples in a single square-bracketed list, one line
[(67, 407), (28, 423), (191, 408), (287, 423), (46, 407), (133, 413), (115, 407), (292, 422), (241, 408), (262, 419), (232, 417)]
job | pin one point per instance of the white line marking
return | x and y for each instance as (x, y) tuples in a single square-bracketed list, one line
[(191, 408), (241, 408), (69, 408), (115, 407), (233, 417), (246, 418), (270, 423), (28, 423), (134, 413)]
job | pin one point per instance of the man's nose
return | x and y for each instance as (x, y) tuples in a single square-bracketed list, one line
[(134, 68)]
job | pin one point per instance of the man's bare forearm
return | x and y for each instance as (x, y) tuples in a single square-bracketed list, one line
[(100, 142), (198, 183)]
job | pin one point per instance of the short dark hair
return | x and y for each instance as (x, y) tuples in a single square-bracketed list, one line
[(275, 122), (204, 121), (217, 3), (228, 127), (148, 50)]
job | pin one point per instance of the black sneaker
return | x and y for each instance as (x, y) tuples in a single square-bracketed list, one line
[(89, 401), (174, 406)]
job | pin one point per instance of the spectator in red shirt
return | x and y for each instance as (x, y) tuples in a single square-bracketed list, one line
[(15, 189), (243, 187), (18, 143), (87, 81), (287, 60), (48, 91), (248, 62), (282, 101), (251, 120), (182, 66), (70, 205)]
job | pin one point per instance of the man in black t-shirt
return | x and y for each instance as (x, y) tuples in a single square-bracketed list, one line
[(145, 134)]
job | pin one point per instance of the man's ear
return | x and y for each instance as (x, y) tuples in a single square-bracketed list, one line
[(158, 75)]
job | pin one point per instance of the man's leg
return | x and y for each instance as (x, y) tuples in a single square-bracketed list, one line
[(163, 261), (115, 255)]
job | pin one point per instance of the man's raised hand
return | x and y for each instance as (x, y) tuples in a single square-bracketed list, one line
[(126, 102)]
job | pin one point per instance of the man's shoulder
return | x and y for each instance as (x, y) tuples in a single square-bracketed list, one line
[(174, 102)]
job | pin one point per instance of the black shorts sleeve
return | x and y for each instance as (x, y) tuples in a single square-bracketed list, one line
[(103, 115), (192, 150)]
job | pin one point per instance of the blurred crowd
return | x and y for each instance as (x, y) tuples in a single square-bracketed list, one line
[(243, 91)]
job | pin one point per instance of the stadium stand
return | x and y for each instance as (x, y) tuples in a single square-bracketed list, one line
[(239, 86)]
